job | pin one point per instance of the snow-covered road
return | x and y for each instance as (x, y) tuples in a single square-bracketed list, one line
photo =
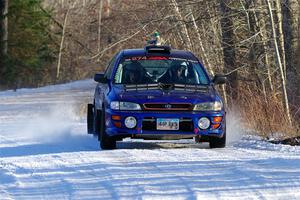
[(45, 153)]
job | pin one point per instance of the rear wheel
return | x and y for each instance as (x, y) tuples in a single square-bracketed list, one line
[(106, 142), (215, 142)]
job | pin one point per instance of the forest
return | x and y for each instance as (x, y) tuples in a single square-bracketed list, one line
[(254, 42)]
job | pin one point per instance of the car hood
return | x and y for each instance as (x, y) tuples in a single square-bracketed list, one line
[(160, 96)]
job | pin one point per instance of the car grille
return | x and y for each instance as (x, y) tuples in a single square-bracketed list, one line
[(168, 106), (185, 124)]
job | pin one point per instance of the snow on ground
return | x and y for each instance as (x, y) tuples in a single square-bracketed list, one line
[(45, 153)]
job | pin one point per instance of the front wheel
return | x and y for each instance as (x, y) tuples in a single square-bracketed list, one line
[(215, 142), (106, 142)]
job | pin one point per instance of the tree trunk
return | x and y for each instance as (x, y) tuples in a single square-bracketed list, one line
[(218, 56), (282, 76), (2, 28), (99, 25), (255, 47), (3, 35), (258, 26), (264, 37), (281, 36), (107, 8), (228, 48), (5, 30), (62, 43), (187, 41), (205, 57), (290, 12)]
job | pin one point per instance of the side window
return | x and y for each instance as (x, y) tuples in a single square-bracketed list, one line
[(110, 67), (119, 74), (200, 74)]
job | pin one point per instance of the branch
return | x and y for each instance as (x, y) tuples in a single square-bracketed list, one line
[(120, 41)]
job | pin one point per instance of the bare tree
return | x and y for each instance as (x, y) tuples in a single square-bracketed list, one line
[(291, 15), (279, 61), (263, 32), (228, 45), (100, 21), (203, 51), (186, 38), (62, 42), (281, 35)]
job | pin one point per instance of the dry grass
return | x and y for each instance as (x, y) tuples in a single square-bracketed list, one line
[(266, 116)]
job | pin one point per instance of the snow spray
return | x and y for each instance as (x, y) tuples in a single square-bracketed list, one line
[(234, 127), (53, 124)]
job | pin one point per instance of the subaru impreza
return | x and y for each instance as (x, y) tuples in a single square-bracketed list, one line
[(155, 93)]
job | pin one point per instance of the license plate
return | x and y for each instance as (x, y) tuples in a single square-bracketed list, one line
[(167, 124)]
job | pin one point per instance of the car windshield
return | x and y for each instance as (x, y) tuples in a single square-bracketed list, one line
[(148, 70)]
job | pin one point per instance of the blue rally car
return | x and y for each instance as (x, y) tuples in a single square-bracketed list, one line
[(156, 93)]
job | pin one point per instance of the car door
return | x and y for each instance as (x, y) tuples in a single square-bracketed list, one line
[(102, 89)]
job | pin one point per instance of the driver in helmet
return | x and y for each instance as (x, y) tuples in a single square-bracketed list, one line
[(178, 73), (132, 74)]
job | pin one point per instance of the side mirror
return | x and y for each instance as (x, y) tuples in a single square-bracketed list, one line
[(99, 77), (219, 79)]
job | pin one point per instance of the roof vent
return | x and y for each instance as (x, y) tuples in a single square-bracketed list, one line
[(157, 49)]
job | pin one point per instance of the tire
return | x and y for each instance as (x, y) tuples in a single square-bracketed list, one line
[(197, 139), (215, 142), (106, 142), (90, 119)]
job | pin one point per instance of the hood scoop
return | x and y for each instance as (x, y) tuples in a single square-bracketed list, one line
[(191, 88), (166, 87)]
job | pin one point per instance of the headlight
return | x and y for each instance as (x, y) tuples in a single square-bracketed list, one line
[(209, 106), (115, 105), (121, 105)]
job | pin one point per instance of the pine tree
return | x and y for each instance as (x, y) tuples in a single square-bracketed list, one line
[(29, 43)]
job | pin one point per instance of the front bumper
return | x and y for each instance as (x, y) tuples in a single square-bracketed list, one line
[(146, 123)]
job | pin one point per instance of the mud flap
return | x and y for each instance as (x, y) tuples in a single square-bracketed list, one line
[(197, 139), (90, 119)]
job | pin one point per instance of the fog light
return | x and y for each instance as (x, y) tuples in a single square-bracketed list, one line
[(117, 124), (130, 122), (204, 123)]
